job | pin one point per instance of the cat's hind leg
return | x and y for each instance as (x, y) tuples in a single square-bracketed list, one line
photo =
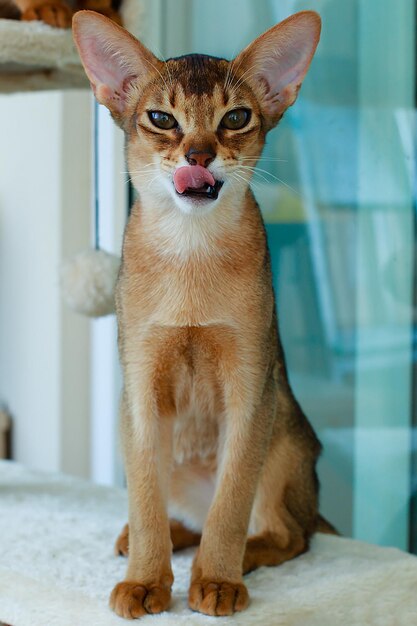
[(191, 492), (181, 538), (285, 509)]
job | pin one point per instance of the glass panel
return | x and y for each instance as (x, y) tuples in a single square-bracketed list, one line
[(335, 187), (384, 276)]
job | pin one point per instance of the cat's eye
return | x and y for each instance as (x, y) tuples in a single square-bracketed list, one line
[(236, 119), (163, 120)]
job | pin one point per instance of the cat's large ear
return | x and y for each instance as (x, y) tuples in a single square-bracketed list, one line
[(276, 63), (113, 59)]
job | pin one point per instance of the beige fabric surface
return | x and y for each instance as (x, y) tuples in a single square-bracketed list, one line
[(57, 567)]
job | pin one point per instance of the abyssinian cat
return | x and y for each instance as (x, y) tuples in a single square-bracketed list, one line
[(213, 437), (57, 12)]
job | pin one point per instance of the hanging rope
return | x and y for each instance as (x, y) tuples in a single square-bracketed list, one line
[(96, 178)]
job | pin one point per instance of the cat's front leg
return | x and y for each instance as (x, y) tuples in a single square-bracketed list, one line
[(217, 586), (146, 440)]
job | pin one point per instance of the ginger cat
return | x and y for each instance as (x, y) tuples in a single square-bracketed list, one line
[(57, 12), (213, 437)]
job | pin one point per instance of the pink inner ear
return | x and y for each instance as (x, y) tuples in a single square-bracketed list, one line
[(105, 67), (287, 65)]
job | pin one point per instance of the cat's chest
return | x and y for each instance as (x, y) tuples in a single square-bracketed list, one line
[(196, 295), (196, 298)]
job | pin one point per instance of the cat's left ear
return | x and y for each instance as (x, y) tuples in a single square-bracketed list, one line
[(276, 63)]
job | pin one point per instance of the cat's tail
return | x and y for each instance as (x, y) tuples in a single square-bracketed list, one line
[(323, 526)]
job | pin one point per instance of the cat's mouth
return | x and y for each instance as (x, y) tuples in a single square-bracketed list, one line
[(210, 192), (197, 182)]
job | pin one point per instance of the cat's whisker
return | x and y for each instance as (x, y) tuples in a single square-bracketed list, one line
[(145, 174), (139, 170), (229, 70), (143, 171), (246, 76), (229, 76), (289, 186), (259, 174), (226, 80), (255, 168), (232, 176), (155, 68), (153, 180), (272, 159), (142, 176), (159, 53), (257, 171), (233, 67), (234, 87), (239, 178), (264, 173), (170, 78)]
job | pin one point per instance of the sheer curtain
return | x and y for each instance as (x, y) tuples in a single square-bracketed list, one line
[(336, 190)]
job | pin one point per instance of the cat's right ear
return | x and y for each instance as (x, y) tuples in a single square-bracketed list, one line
[(112, 58)]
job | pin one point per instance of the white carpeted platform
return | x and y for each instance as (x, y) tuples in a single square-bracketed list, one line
[(57, 567), (35, 56)]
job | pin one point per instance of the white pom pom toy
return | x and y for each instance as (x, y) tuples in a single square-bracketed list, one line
[(88, 281)]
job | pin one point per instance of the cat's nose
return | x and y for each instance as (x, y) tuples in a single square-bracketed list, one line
[(196, 157)]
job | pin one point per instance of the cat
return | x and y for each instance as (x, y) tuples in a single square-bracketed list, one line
[(212, 434), (57, 12)]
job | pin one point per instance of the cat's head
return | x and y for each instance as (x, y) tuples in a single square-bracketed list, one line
[(195, 124)]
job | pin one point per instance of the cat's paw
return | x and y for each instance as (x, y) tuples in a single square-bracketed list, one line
[(131, 599), (52, 12), (217, 597), (121, 547)]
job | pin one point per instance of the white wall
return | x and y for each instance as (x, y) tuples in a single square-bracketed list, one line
[(45, 164)]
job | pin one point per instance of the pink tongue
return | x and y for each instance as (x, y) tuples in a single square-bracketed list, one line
[(192, 177)]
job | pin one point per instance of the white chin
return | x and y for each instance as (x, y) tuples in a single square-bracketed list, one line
[(194, 204)]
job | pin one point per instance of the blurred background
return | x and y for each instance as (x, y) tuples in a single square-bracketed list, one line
[(337, 188)]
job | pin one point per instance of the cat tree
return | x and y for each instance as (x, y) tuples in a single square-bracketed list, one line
[(35, 56)]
